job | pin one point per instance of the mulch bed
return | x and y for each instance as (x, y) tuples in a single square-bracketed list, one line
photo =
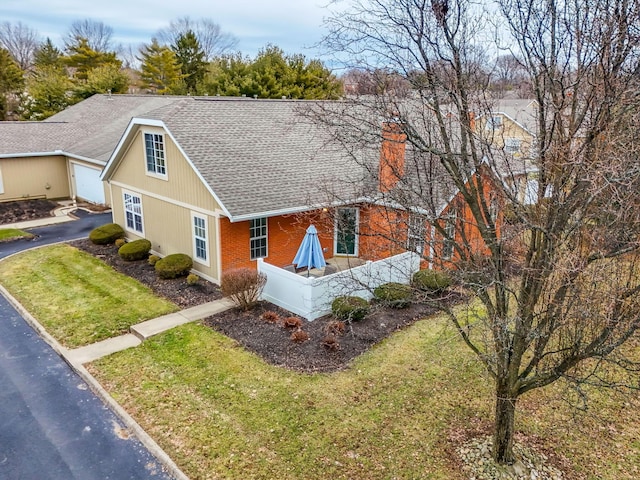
[(176, 290), (272, 342), (23, 210)]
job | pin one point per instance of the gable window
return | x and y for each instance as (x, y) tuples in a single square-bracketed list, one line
[(449, 237), (200, 238), (494, 123), (154, 153), (133, 212), (258, 238)]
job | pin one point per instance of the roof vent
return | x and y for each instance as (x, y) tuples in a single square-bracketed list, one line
[(284, 97), (255, 95)]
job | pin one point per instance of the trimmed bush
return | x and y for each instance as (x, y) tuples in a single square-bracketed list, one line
[(431, 281), (192, 279), (136, 250), (299, 336), (350, 308), (174, 265), (106, 234), (120, 242), (153, 259), (393, 294), (292, 322), (243, 286), (270, 317)]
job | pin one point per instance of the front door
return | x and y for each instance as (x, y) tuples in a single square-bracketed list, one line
[(346, 241)]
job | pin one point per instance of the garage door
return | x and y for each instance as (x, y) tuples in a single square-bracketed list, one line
[(88, 184)]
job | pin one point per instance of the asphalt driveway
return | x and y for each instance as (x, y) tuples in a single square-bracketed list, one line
[(52, 426)]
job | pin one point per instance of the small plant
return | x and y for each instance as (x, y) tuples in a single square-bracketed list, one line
[(243, 286), (120, 242), (431, 281), (174, 265), (330, 342), (270, 317), (336, 327), (106, 234), (392, 294), (153, 259), (192, 279), (136, 250), (292, 322), (350, 308), (299, 336)]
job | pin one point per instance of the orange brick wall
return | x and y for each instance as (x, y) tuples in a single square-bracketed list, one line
[(285, 233)]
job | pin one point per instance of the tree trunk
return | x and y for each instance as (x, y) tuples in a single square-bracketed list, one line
[(504, 425)]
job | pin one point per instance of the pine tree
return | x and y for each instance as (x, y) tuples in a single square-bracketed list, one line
[(160, 70), (192, 60)]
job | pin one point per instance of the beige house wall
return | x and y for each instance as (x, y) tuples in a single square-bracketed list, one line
[(34, 177), (167, 204), (507, 130)]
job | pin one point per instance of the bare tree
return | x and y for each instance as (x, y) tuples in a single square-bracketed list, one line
[(508, 73), (213, 41), (98, 34), (555, 290), (21, 42)]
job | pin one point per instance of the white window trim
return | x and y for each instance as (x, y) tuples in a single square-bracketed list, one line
[(160, 176), (206, 262), (416, 233), (357, 235), (265, 236), (124, 208), (1, 183), (512, 145), (449, 240)]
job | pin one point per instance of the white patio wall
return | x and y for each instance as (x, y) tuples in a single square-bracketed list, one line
[(311, 297)]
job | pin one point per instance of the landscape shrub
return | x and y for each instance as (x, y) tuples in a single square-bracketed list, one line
[(299, 336), (431, 281), (393, 294), (336, 327), (330, 342), (136, 250), (243, 286), (292, 322), (270, 317), (106, 234), (350, 308), (120, 242), (192, 279), (153, 259), (174, 265)]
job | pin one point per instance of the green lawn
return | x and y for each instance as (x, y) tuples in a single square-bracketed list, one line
[(221, 412), (77, 298), (7, 234)]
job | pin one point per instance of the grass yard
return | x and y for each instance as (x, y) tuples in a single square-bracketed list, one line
[(7, 234), (221, 412), (77, 298)]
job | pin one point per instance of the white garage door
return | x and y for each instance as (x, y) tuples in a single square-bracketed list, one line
[(88, 184)]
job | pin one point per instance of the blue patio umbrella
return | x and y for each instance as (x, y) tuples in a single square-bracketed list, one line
[(310, 252)]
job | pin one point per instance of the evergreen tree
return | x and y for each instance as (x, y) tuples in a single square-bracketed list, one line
[(160, 70), (191, 58), (82, 58), (107, 78), (48, 55), (49, 92), (11, 79)]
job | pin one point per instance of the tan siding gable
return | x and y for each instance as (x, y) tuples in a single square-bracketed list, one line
[(182, 183)]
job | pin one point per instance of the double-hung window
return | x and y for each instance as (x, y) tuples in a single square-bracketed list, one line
[(258, 238), (416, 233), (155, 154), (449, 237), (133, 212), (200, 238), (512, 145)]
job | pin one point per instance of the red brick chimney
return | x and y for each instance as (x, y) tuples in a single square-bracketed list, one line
[(392, 155)]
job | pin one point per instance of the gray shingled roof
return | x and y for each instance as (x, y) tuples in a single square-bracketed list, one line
[(258, 156)]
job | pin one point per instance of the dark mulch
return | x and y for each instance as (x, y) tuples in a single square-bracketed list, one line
[(272, 341), (23, 210), (176, 290)]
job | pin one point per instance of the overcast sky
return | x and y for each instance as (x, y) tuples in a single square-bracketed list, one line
[(293, 25)]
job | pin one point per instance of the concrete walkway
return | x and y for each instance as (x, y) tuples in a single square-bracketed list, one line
[(142, 331)]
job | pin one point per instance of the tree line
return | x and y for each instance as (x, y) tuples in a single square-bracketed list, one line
[(189, 57)]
